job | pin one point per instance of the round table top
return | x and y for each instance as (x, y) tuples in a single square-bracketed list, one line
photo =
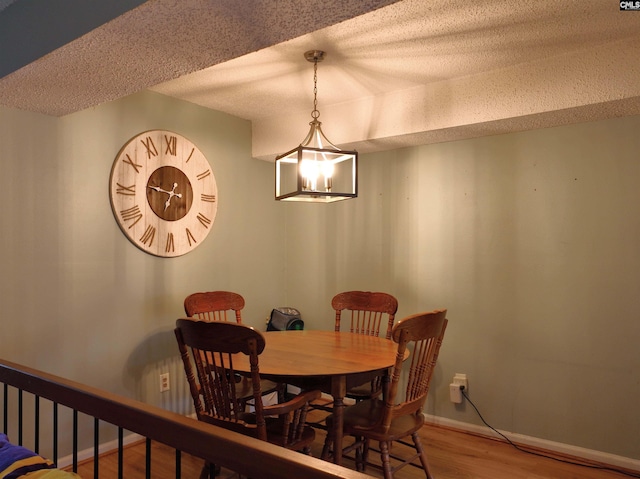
[(324, 353)]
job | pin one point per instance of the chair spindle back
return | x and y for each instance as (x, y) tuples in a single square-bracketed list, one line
[(367, 311), (207, 350), (423, 333), (215, 306)]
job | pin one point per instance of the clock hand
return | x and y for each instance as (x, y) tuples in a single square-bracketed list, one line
[(157, 188), (171, 195)]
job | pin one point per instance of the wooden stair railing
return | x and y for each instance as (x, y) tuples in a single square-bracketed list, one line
[(245, 455)]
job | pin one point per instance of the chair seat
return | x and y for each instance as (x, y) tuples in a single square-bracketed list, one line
[(364, 391), (244, 389), (362, 418), (245, 423), (275, 435)]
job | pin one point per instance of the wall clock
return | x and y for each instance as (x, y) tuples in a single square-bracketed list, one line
[(163, 193)]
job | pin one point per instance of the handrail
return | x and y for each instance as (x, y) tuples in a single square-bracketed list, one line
[(245, 455)]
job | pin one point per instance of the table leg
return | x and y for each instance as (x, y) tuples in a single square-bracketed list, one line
[(338, 391)]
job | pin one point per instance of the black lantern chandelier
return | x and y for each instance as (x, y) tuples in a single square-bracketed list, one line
[(317, 170)]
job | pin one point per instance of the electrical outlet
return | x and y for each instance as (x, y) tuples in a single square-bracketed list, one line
[(164, 382), (455, 393), (460, 379)]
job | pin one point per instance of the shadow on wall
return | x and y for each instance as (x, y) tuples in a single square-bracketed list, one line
[(155, 356)]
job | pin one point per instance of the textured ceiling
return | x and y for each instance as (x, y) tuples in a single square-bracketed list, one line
[(396, 73)]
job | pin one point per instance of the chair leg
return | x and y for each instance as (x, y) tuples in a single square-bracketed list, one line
[(360, 464), (423, 456), (326, 449), (365, 454), (386, 461), (362, 453)]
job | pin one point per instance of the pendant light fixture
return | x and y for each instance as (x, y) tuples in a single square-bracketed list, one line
[(317, 170)]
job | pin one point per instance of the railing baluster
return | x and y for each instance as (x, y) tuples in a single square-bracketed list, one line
[(96, 447), (5, 416), (36, 446), (148, 459), (55, 433), (75, 441), (120, 453), (20, 416)]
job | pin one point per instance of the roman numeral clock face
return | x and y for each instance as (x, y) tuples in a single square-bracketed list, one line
[(163, 193)]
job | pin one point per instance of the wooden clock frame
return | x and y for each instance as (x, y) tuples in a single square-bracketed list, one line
[(163, 193)]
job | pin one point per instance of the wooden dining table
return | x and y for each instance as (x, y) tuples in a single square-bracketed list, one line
[(333, 362)]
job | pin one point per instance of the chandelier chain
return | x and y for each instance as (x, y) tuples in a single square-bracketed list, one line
[(315, 114)]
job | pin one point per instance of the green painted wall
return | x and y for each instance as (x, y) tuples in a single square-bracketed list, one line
[(530, 240), (80, 300)]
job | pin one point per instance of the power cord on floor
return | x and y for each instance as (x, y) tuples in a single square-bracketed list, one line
[(520, 448)]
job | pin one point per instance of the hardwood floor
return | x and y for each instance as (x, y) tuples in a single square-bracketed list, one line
[(452, 455)]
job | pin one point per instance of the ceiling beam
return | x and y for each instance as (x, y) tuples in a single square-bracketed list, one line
[(586, 85)]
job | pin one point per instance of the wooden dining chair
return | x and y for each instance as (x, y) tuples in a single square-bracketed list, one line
[(215, 306), (207, 350), (395, 416), (367, 312), (227, 306)]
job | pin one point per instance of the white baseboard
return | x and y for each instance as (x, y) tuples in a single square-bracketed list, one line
[(567, 449), (102, 449)]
